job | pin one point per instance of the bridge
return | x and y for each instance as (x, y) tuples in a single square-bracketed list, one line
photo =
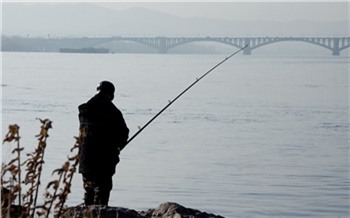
[(163, 44)]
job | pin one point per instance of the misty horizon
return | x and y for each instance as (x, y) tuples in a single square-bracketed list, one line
[(91, 20)]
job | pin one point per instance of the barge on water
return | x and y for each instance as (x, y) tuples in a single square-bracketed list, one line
[(84, 50)]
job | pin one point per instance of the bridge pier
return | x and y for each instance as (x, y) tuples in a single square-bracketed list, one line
[(162, 45), (336, 50), (162, 50), (248, 49)]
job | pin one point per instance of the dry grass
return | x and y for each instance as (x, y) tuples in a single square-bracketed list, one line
[(56, 191)]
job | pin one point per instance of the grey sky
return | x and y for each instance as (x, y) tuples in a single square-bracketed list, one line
[(271, 11), (238, 10)]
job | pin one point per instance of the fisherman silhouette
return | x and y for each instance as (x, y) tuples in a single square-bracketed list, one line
[(105, 134)]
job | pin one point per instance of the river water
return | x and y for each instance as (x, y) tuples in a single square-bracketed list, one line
[(261, 136)]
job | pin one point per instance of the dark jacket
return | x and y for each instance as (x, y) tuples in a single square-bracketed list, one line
[(106, 132)]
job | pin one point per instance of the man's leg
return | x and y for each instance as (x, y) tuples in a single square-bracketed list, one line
[(89, 186), (103, 189)]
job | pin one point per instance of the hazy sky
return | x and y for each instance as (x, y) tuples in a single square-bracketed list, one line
[(238, 10), (281, 11)]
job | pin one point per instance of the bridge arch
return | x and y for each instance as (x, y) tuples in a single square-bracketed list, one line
[(290, 48), (144, 41), (207, 39), (203, 46), (333, 44), (288, 40)]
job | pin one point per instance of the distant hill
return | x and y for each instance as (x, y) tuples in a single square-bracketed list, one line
[(84, 19)]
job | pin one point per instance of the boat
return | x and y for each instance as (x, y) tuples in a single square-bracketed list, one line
[(84, 50)]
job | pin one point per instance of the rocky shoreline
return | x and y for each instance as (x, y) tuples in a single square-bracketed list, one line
[(165, 210)]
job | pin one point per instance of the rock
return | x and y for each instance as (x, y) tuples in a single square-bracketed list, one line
[(100, 211), (165, 210)]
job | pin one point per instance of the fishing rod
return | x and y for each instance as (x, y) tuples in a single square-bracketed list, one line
[(177, 97)]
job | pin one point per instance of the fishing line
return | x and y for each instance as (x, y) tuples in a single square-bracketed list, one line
[(177, 97)]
